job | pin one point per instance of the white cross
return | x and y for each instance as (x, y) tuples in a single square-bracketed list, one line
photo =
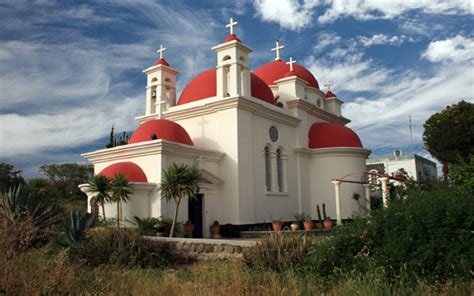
[(328, 85), (231, 25), (291, 62), (277, 49), (160, 107), (161, 51)]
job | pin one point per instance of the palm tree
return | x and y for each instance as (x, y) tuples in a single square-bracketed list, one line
[(100, 187), (179, 180), (120, 190)]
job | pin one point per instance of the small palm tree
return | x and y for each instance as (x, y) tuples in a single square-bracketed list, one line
[(100, 187), (120, 191), (179, 180)]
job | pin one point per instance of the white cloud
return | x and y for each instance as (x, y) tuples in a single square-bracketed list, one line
[(326, 39), (380, 39), (289, 14), (454, 50)]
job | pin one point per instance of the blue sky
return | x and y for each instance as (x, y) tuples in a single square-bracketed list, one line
[(71, 69)]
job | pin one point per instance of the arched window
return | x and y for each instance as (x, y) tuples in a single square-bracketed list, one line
[(373, 179), (226, 58), (154, 79), (268, 169), (279, 165)]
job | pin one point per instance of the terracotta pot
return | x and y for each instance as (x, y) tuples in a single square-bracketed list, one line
[(327, 224), (188, 229), (308, 225), (215, 229), (277, 226), (319, 225), (294, 226)]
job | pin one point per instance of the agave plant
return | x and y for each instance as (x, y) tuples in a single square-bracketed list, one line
[(75, 229), (19, 206)]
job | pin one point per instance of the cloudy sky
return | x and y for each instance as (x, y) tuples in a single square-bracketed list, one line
[(69, 70)]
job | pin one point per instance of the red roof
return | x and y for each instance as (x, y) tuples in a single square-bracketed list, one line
[(275, 70), (289, 74), (232, 37), (330, 94), (325, 135), (130, 170), (204, 86), (163, 129), (161, 62)]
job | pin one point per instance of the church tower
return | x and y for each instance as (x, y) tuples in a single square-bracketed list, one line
[(161, 86), (233, 74)]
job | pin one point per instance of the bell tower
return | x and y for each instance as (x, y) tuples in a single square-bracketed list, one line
[(232, 71), (161, 86)]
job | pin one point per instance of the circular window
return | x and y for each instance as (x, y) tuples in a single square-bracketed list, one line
[(273, 132)]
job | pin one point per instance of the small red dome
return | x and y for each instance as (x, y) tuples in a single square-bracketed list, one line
[(325, 135), (330, 94), (161, 62), (204, 86), (232, 37), (130, 170), (163, 129), (275, 70)]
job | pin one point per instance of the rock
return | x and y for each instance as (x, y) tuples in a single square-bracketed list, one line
[(186, 247), (209, 248), (179, 246), (238, 249), (200, 248), (218, 248), (229, 249)]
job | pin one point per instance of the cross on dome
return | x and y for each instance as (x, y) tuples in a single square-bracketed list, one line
[(328, 85), (291, 62), (231, 25), (161, 50), (277, 49)]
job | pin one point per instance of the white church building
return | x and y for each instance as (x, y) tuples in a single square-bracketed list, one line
[(268, 143)]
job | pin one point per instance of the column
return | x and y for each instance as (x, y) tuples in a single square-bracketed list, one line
[(337, 189), (367, 197), (384, 181)]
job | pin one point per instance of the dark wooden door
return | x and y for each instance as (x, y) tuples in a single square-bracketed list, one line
[(195, 214)]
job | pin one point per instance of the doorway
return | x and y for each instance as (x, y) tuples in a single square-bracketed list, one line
[(195, 208)]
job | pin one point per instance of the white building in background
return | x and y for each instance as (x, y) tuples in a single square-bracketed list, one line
[(417, 167), (267, 142)]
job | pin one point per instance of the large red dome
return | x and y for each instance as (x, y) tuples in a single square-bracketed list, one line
[(325, 135), (204, 86), (130, 170), (275, 70), (163, 129)]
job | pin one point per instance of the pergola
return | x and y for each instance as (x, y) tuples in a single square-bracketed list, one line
[(383, 178)]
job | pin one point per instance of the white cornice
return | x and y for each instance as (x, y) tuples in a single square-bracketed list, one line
[(313, 110), (212, 105), (153, 147), (233, 43), (160, 67), (332, 151)]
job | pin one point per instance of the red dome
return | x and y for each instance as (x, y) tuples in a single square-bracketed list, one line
[(232, 37), (275, 70), (204, 86), (325, 135), (330, 94), (161, 62), (130, 170), (163, 129)]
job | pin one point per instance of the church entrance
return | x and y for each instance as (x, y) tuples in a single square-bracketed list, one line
[(195, 208)]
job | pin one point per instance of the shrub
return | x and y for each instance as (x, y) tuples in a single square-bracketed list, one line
[(146, 226), (75, 229), (279, 252), (427, 236), (120, 247), (25, 220)]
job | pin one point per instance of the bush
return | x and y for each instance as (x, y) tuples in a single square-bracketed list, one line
[(120, 247), (279, 252), (75, 229), (427, 236)]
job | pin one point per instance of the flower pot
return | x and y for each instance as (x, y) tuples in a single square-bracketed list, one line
[(277, 226), (294, 226), (215, 229), (327, 224), (188, 229), (308, 225), (319, 225)]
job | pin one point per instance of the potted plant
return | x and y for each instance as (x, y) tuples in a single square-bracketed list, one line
[(308, 223), (327, 220), (277, 225), (294, 226), (215, 229), (188, 229), (319, 225)]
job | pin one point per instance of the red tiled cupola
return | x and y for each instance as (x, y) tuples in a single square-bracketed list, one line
[(161, 129), (130, 170), (326, 135)]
